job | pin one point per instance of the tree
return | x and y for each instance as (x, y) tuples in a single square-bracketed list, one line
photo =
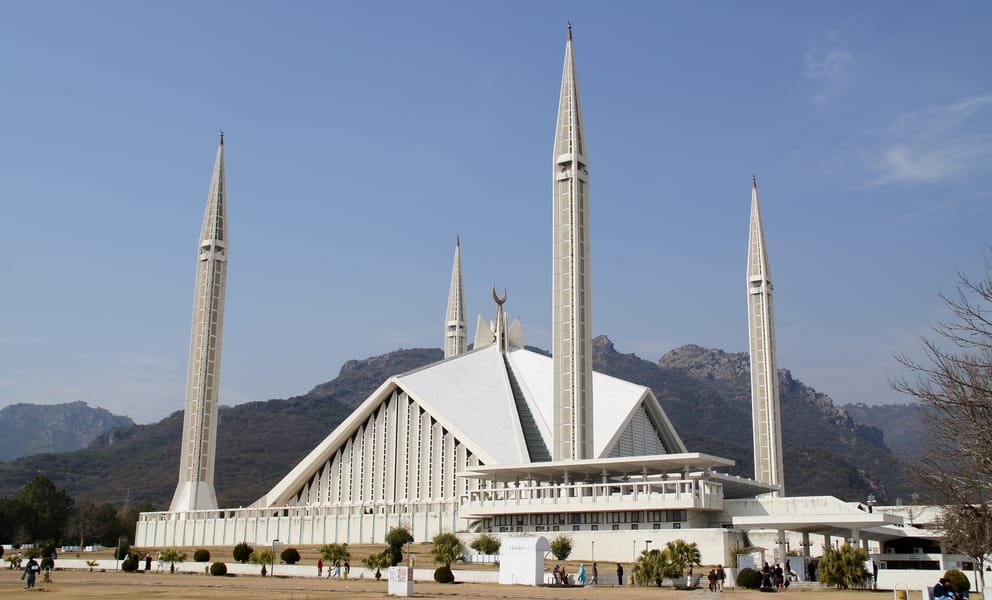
[(335, 552), (377, 561), (561, 547), (290, 556), (172, 556), (655, 566), (683, 555), (485, 544), (953, 383), (397, 538), (843, 568), (48, 509), (447, 548), (86, 523)]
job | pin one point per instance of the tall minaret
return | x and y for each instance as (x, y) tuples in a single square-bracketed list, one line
[(455, 332), (572, 324), (196, 467), (766, 413)]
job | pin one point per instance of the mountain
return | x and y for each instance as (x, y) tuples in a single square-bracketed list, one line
[(900, 423), (705, 393), (27, 429)]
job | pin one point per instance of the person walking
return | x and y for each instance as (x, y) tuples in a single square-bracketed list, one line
[(595, 574), (31, 571), (619, 574), (721, 576), (320, 566), (347, 567)]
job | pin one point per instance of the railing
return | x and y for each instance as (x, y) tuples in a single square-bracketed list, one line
[(673, 494)]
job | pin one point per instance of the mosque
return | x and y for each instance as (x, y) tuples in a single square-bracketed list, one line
[(504, 440)]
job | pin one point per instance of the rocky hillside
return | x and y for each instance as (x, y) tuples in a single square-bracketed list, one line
[(705, 392), (900, 423), (27, 429)]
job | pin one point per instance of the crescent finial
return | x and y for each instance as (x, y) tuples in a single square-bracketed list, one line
[(499, 300)]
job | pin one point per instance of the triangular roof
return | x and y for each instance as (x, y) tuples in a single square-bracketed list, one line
[(470, 396)]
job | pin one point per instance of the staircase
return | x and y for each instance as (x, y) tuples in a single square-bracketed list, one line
[(536, 448)]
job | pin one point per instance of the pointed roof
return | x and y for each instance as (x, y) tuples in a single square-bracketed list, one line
[(215, 216), (570, 137), (757, 256), (455, 334)]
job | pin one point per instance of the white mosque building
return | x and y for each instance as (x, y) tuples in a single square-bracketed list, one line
[(504, 440)]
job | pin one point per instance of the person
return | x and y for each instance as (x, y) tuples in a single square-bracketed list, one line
[(595, 574), (347, 567), (943, 591), (721, 576), (619, 574), (564, 576), (711, 578), (148, 562), (582, 574), (31, 571), (337, 569), (320, 566), (556, 574)]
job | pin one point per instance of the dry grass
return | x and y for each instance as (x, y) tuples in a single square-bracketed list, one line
[(137, 586)]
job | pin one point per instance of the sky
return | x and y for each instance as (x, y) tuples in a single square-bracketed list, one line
[(362, 137)]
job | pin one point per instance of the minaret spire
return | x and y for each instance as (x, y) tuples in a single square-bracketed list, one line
[(195, 490), (455, 332), (766, 411), (572, 308)]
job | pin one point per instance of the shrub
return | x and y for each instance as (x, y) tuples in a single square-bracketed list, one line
[(290, 556), (129, 565), (485, 544), (242, 552), (561, 547), (397, 538), (443, 575), (843, 568), (749, 578), (219, 569), (958, 580), (201, 555)]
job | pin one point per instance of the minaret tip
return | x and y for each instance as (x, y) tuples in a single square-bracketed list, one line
[(570, 31), (754, 181), (221, 137), (458, 241)]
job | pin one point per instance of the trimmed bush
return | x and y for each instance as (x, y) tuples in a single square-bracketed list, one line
[(486, 544), (749, 578), (290, 556), (242, 552), (958, 580), (129, 565), (201, 555), (218, 569), (443, 575)]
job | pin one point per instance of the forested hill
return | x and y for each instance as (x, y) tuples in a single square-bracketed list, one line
[(705, 392)]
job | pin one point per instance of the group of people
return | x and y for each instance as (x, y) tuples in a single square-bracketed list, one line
[(716, 578), (774, 577), (335, 572)]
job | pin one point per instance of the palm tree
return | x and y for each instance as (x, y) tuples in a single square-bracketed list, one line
[(655, 565), (683, 555), (172, 556), (377, 561)]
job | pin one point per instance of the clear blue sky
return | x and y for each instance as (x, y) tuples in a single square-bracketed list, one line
[(361, 138)]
